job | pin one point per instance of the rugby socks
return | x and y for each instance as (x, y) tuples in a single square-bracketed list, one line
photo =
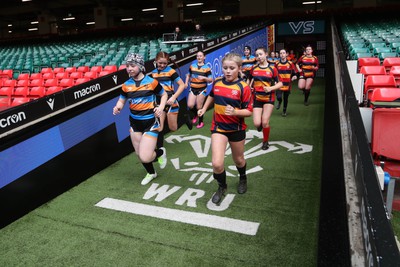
[(221, 179), (149, 167), (266, 133), (200, 119), (160, 139), (285, 100), (242, 172), (159, 153), (306, 95)]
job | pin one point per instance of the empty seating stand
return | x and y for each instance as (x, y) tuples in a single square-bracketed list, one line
[(389, 62), (385, 97)]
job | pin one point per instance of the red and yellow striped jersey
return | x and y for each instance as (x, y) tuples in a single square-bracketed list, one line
[(238, 95), (308, 65), (264, 76), (286, 70)]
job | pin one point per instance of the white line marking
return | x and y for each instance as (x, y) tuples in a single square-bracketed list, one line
[(201, 219)]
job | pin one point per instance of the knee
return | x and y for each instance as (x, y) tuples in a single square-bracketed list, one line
[(218, 167)]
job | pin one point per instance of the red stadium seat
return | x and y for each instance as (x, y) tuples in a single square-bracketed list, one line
[(53, 89), (110, 68), (81, 80), (76, 75), (48, 75), (385, 97), (59, 69), (122, 67), (70, 69), (386, 133), (9, 83), (22, 83), (374, 81), (368, 61), (372, 70), (6, 91), (91, 75), (104, 73), (83, 68), (395, 72), (5, 103), (7, 73), (21, 91), (50, 82), (62, 75), (66, 83), (97, 69), (37, 82), (390, 61), (34, 76), (19, 101), (44, 70), (37, 92), (23, 76)]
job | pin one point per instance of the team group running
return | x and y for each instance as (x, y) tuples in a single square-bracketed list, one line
[(248, 87)]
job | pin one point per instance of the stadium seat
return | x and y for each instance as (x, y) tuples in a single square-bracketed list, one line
[(91, 75), (395, 72), (70, 69), (10, 83), (76, 75), (110, 68), (81, 80), (104, 73), (372, 70), (83, 68), (389, 62), (34, 76), (384, 55), (386, 133), (53, 89), (122, 67), (8, 73), (58, 70), (66, 83), (19, 101), (23, 76), (22, 82), (44, 70), (62, 75), (374, 81), (97, 69), (368, 61), (5, 103), (20, 91), (6, 91), (36, 82), (37, 92), (50, 82), (385, 97), (48, 75)]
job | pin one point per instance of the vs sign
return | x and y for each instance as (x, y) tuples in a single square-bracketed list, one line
[(304, 27)]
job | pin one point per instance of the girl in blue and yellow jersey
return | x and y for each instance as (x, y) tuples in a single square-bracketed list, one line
[(265, 81), (287, 73), (272, 59), (232, 103), (168, 77), (140, 92), (248, 61), (199, 76), (307, 66)]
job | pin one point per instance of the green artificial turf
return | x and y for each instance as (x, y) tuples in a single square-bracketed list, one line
[(283, 198)]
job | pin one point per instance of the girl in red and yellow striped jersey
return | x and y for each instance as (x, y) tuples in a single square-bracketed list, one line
[(140, 92), (199, 76), (287, 73), (232, 99), (307, 66), (265, 81)]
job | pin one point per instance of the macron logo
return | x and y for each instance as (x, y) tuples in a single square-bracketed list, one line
[(50, 102)]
